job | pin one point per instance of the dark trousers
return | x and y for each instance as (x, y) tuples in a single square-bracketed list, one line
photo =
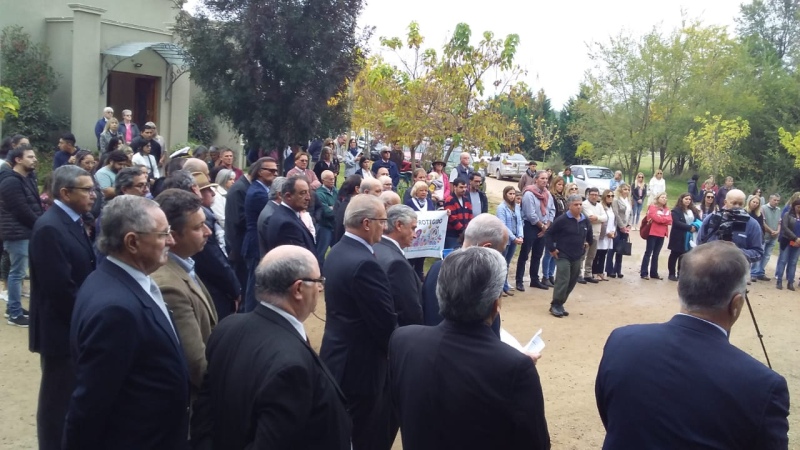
[(599, 262), (614, 261), (419, 267), (673, 261), (240, 267), (55, 391), (374, 423), (250, 301), (567, 273), (531, 244), (650, 258)]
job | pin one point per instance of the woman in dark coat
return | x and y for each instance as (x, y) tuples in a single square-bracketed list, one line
[(684, 215)]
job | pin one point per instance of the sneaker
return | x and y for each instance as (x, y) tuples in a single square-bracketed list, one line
[(25, 313), (20, 321)]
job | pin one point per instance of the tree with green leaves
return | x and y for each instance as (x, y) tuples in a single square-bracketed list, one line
[(792, 144), (714, 145), (9, 103), (27, 72), (772, 26), (270, 68)]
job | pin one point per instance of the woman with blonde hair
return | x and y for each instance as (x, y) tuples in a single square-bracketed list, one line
[(622, 210), (660, 219), (638, 194), (111, 130)]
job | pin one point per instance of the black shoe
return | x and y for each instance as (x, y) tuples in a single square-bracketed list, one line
[(764, 278), (554, 310), (546, 282), (779, 285), (563, 311), (656, 277), (581, 281), (612, 275), (20, 321), (619, 275), (672, 278), (25, 313), (552, 280), (521, 287), (645, 277), (590, 280), (790, 286), (539, 285)]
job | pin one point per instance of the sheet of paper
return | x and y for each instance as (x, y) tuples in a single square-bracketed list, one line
[(536, 344), (506, 337)]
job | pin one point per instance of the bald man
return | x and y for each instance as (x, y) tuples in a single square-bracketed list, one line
[(747, 234), (389, 199), (195, 165), (371, 186)]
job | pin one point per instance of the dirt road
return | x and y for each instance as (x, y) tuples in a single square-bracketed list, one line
[(567, 369)]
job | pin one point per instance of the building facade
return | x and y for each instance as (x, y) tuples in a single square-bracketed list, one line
[(110, 53)]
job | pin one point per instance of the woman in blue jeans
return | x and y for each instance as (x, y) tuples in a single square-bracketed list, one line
[(790, 247), (508, 212)]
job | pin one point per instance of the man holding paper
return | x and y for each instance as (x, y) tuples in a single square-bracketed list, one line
[(483, 393)]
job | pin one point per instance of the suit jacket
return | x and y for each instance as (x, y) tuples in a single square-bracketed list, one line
[(256, 199), (338, 219), (263, 221), (214, 269), (61, 257), (235, 224), (430, 303), (132, 383), (193, 314), (404, 283), (360, 319), (285, 228), (681, 384), (266, 388), (458, 386)]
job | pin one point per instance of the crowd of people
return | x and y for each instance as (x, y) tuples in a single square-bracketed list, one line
[(172, 314)]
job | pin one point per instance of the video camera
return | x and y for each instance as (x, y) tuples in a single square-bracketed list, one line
[(726, 222)]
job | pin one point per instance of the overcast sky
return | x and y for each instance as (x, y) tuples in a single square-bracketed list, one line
[(553, 35)]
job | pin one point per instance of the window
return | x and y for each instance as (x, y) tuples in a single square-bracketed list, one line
[(600, 173)]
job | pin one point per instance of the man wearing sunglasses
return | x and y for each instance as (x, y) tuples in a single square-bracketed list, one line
[(255, 200)]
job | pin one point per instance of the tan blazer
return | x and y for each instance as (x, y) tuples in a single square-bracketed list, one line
[(193, 314)]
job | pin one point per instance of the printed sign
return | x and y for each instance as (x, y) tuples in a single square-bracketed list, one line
[(429, 239)]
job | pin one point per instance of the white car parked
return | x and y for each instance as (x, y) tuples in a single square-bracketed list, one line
[(507, 166), (592, 176)]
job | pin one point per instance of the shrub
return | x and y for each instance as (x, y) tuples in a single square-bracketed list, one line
[(201, 122)]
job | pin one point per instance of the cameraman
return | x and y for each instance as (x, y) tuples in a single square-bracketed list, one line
[(749, 241)]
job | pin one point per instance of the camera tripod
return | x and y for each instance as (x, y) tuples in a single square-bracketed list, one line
[(758, 332)]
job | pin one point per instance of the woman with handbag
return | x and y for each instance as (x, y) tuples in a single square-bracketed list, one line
[(606, 236), (656, 227), (789, 243), (622, 209), (683, 216)]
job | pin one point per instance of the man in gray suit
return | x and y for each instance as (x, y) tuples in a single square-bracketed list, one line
[(403, 282), (263, 218)]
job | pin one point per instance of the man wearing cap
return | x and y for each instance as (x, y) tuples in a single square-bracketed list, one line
[(394, 172), (529, 177)]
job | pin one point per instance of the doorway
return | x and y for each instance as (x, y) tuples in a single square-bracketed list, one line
[(139, 93)]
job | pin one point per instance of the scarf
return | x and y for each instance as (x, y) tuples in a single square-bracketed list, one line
[(542, 196), (354, 151)]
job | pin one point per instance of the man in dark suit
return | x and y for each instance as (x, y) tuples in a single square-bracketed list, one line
[(263, 218), (132, 382), (61, 257), (265, 387), (255, 200), (360, 319), (482, 393), (284, 226), (403, 282), (236, 226), (681, 384)]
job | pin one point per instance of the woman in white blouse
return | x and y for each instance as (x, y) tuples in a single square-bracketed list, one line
[(622, 208), (225, 179), (143, 157), (657, 185), (605, 239)]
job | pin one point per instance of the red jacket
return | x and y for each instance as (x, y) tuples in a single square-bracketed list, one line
[(662, 219)]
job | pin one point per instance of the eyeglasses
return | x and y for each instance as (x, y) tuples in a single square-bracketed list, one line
[(320, 280), (709, 196), (88, 190), (609, 196), (140, 186), (384, 222), (272, 171), (573, 189), (164, 233)]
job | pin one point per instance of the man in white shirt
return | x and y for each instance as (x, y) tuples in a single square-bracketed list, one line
[(594, 211)]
